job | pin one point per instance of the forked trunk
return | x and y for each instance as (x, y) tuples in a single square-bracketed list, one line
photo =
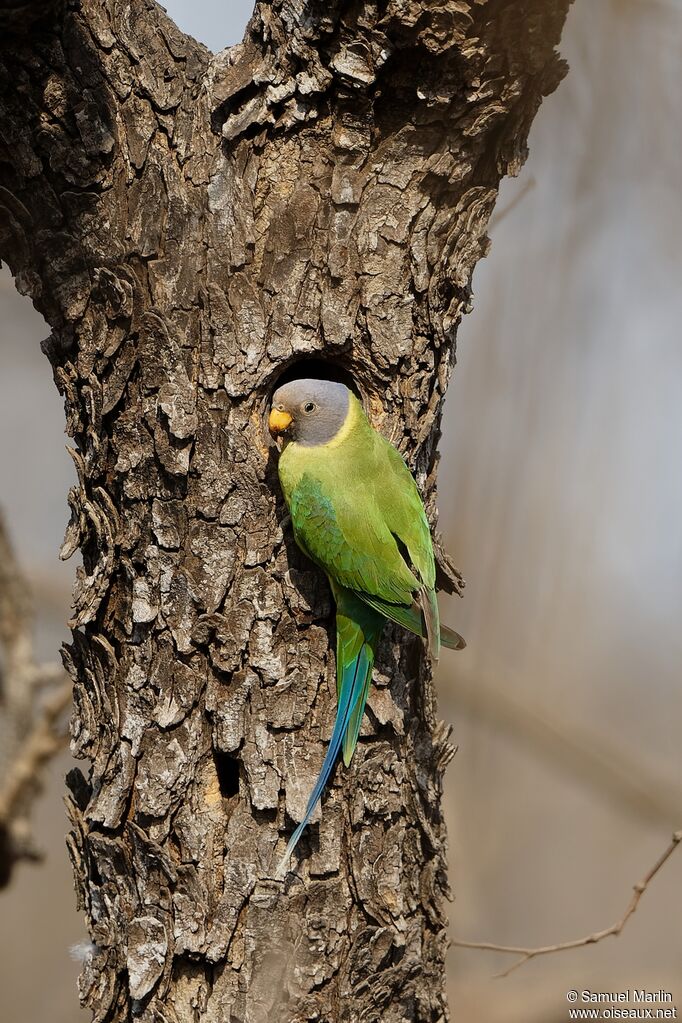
[(191, 226)]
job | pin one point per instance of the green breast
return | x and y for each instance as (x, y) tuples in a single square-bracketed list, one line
[(330, 462)]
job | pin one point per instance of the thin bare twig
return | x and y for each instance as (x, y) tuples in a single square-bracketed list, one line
[(526, 954)]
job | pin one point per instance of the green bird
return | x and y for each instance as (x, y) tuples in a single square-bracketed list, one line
[(356, 512)]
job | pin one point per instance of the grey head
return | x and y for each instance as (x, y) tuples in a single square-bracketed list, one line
[(310, 412)]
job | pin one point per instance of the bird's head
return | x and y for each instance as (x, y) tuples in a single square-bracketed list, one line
[(310, 412)]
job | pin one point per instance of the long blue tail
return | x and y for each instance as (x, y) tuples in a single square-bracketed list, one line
[(357, 631)]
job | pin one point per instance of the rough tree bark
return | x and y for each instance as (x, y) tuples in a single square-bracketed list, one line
[(191, 225)]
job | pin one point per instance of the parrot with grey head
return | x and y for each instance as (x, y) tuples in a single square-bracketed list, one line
[(356, 512)]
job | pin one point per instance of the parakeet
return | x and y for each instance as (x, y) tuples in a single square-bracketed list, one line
[(356, 512)]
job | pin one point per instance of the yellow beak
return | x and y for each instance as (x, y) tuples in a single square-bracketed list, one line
[(278, 422)]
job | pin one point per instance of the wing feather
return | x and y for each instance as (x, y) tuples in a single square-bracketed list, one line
[(351, 544)]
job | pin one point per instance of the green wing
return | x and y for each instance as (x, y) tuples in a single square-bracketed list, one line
[(413, 619), (360, 516), (368, 546), (402, 509), (352, 544)]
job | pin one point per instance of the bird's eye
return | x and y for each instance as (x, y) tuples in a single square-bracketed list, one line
[(309, 407)]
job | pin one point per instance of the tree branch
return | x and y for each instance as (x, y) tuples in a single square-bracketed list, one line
[(526, 954), (41, 743), (29, 734), (412, 58), (90, 103)]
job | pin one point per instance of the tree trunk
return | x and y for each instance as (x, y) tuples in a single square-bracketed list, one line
[(192, 225)]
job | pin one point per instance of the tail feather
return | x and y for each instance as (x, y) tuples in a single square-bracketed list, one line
[(340, 725), (359, 622), (350, 739), (355, 643)]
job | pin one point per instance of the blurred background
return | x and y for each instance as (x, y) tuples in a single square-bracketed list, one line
[(561, 500)]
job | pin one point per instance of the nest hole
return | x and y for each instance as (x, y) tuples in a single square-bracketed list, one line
[(227, 769), (316, 369)]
